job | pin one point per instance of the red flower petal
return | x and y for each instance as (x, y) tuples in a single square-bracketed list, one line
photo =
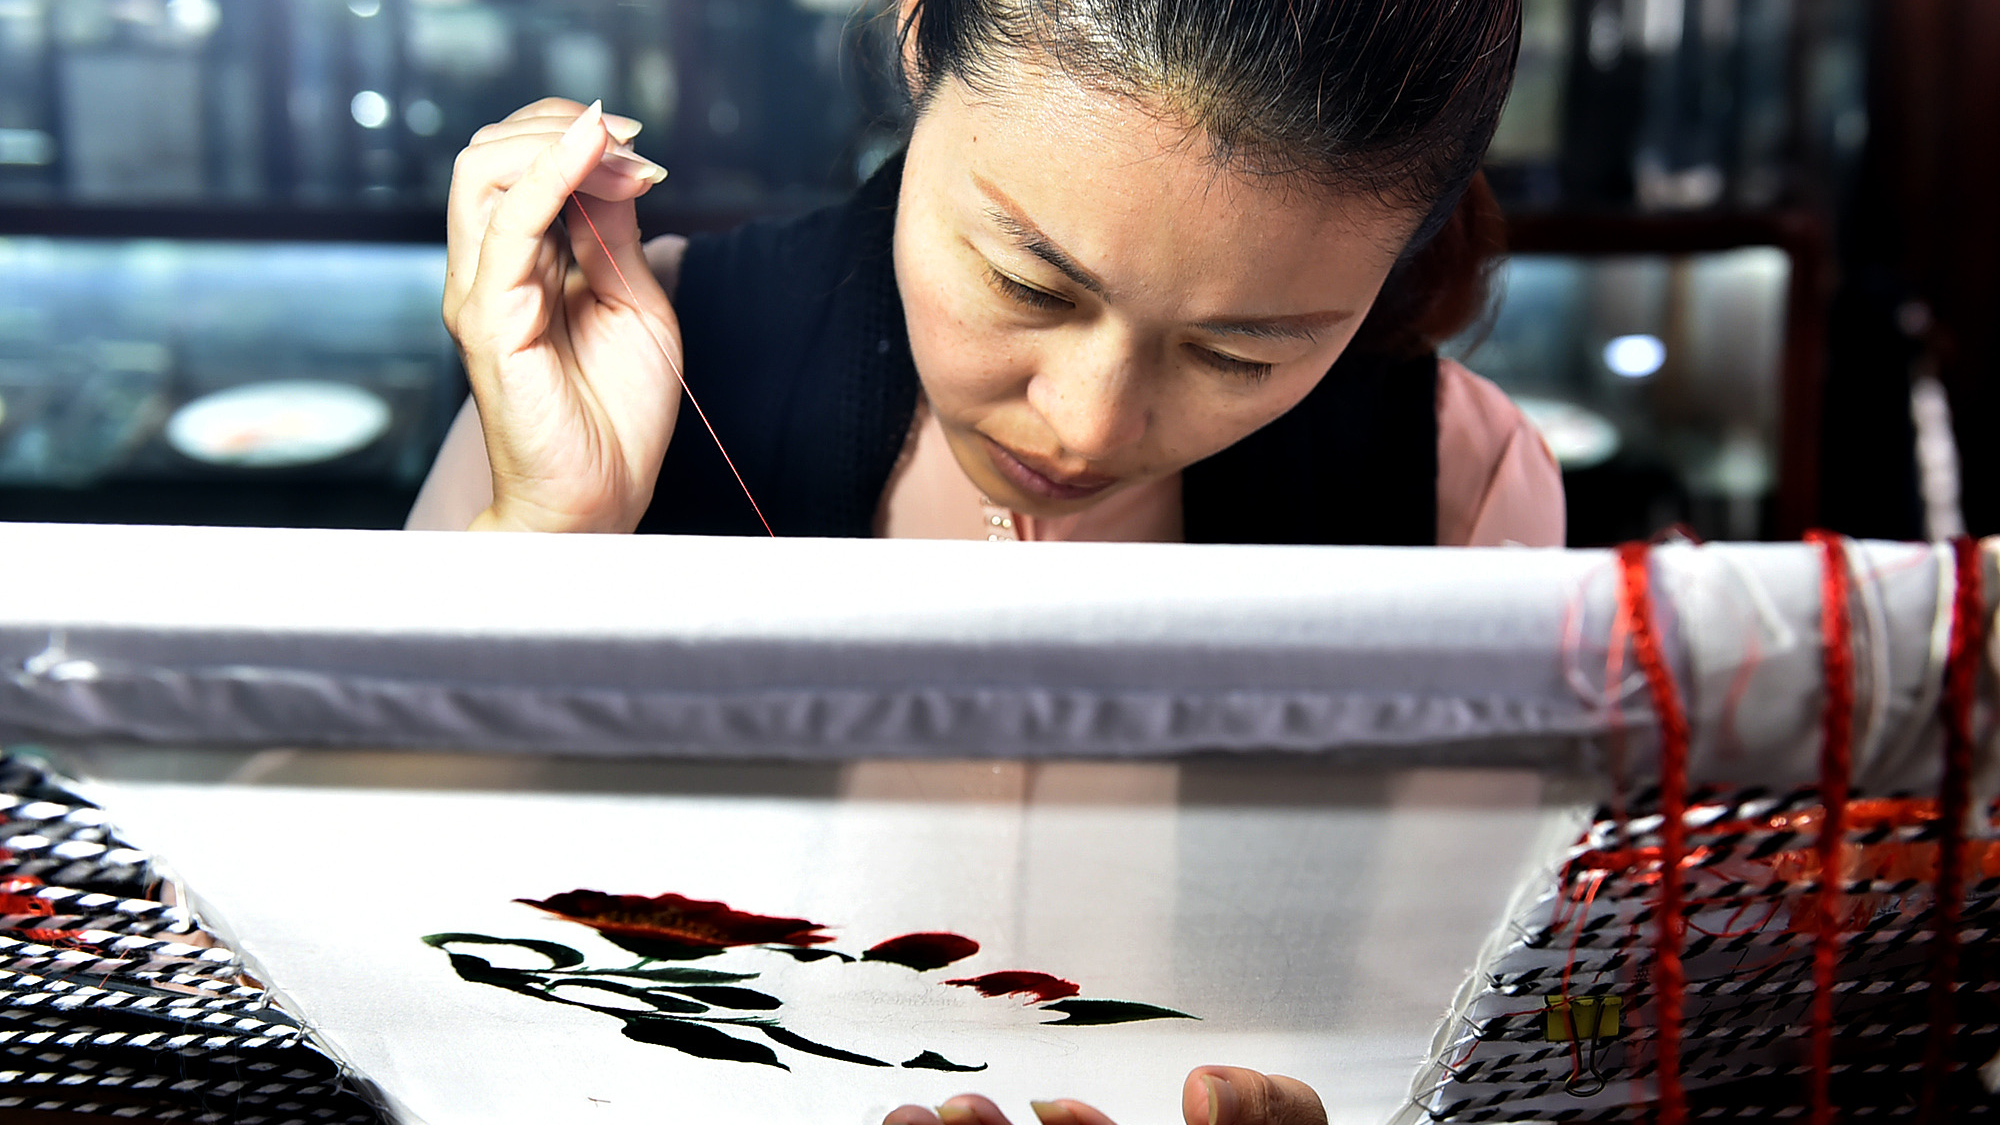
[(1041, 986), (923, 951), (675, 918)]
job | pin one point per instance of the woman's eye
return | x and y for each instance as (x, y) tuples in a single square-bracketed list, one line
[(1024, 294), (1230, 365)]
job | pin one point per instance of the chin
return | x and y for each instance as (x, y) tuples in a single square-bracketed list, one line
[(1043, 509)]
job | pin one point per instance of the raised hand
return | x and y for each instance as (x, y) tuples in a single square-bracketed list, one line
[(573, 356)]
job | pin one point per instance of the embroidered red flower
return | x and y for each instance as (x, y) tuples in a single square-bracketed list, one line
[(678, 920), (1040, 986), (923, 951)]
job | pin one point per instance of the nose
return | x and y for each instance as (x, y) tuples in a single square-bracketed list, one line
[(1091, 396)]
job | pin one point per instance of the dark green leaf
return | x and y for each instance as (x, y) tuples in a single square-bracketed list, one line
[(700, 1040), (1111, 1011), (660, 1001), (560, 956), (801, 1043), (481, 971), (722, 996), (931, 1060), (800, 953), (674, 976)]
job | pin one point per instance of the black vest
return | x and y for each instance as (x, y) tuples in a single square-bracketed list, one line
[(796, 347)]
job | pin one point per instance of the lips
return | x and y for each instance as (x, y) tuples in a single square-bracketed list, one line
[(1038, 478)]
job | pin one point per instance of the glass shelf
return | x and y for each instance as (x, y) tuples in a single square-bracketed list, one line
[(755, 105), (102, 342), (1664, 370)]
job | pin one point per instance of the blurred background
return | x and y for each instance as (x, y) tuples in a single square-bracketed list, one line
[(1754, 282)]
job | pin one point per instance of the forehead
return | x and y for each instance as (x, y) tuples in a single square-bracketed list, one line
[(1119, 184)]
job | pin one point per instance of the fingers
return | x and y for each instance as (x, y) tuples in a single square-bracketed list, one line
[(598, 227), (1232, 1095), (511, 249), (501, 155), (966, 1109), (623, 128), (1067, 1112), (971, 1109)]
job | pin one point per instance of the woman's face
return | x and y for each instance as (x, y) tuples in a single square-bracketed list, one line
[(1093, 303)]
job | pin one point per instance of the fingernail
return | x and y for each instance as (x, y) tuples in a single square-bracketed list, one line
[(957, 1115), (1052, 1113), (579, 132), (631, 163), (622, 128), (1221, 1100)]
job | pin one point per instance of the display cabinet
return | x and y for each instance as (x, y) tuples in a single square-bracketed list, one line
[(200, 194)]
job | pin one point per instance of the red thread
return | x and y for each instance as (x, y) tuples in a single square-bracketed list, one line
[(676, 369), (1835, 767), (1614, 691), (1669, 977), (1968, 619)]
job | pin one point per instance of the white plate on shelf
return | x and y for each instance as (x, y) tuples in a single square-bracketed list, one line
[(278, 424), (1578, 437)]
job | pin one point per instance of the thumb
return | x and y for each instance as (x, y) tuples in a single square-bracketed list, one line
[(1232, 1095), (511, 251)]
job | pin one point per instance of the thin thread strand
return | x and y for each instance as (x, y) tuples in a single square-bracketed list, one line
[(1954, 802), (1836, 763), (676, 369), (1669, 975)]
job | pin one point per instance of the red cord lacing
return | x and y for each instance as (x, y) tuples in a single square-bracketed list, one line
[(1835, 768), (1669, 977), (1968, 627)]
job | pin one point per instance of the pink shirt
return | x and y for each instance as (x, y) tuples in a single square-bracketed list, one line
[(1497, 484)]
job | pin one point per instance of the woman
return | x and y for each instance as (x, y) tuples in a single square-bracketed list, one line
[(1147, 269)]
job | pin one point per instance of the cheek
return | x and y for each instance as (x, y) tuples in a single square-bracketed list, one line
[(964, 360), (1208, 417)]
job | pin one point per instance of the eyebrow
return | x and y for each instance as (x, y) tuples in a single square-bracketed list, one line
[(1012, 221), (1304, 326), (1008, 216)]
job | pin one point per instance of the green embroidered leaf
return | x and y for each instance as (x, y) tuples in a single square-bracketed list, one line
[(673, 976), (801, 1043), (1111, 1011), (700, 1040), (743, 999), (799, 953), (560, 956), (931, 1060), (652, 998), (481, 971)]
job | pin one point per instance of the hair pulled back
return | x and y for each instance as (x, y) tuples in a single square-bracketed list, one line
[(1396, 99)]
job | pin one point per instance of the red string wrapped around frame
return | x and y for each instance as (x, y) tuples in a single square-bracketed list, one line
[(1961, 685), (1669, 977), (1835, 768)]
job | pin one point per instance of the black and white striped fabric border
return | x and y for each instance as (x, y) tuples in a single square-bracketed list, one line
[(116, 1003), (1579, 947)]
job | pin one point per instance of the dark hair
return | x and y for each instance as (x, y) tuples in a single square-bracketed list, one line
[(1393, 98)]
